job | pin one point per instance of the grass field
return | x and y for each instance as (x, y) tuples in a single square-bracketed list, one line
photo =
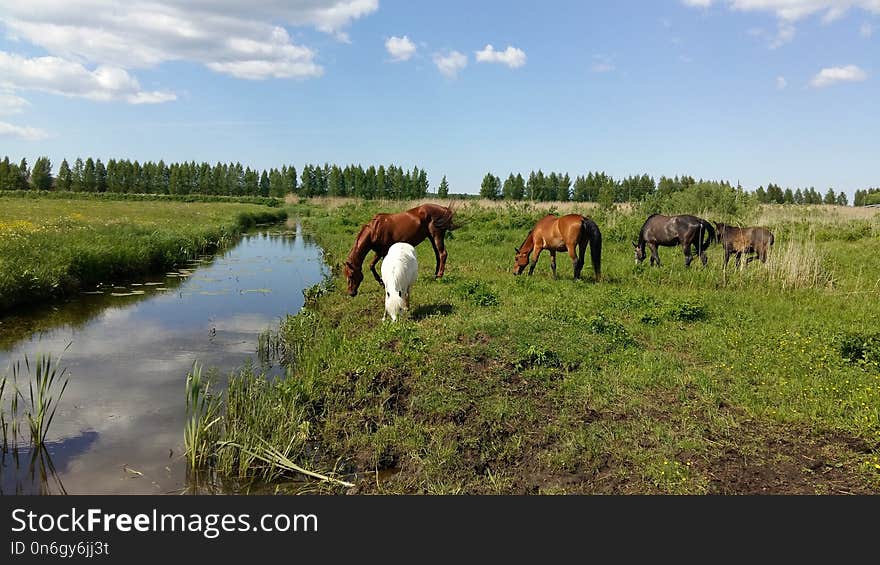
[(50, 248), (662, 380)]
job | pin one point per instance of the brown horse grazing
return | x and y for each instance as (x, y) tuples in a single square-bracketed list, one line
[(565, 233), (736, 241), (674, 230), (428, 221)]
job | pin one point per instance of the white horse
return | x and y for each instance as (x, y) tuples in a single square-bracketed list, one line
[(399, 271)]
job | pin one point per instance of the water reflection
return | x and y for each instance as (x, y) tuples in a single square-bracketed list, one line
[(129, 355)]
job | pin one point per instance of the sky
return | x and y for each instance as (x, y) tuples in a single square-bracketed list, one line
[(748, 91)]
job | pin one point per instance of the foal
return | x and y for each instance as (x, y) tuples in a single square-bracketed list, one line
[(399, 271)]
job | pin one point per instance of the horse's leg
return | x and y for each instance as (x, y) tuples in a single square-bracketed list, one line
[(687, 254), (726, 258), (738, 257), (439, 252), (577, 262), (703, 257), (535, 259), (655, 256), (373, 270), (553, 263)]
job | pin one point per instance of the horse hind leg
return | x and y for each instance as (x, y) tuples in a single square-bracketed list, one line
[(577, 260), (687, 255), (439, 253), (553, 263)]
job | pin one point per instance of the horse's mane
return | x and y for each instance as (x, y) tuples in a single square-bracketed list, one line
[(644, 227), (361, 235), (528, 239)]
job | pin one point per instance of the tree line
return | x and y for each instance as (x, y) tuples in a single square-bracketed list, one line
[(227, 179), (866, 197), (391, 182), (601, 187), (774, 194)]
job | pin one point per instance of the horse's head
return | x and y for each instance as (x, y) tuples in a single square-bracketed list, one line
[(355, 277), (719, 231), (640, 252), (521, 261)]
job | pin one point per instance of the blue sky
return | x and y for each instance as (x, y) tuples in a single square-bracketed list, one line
[(743, 90)]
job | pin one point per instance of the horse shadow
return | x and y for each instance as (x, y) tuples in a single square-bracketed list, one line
[(428, 310)]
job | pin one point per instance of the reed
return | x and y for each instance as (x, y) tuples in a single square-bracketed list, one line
[(45, 389), (203, 418)]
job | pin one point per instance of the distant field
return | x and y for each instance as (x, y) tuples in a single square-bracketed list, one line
[(662, 380), (50, 248)]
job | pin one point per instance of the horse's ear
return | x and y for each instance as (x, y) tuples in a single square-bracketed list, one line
[(636, 245), (516, 249)]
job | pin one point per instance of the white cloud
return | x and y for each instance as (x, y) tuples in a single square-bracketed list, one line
[(244, 40), (602, 64), (58, 76), (832, 75), (12, 104), (400, 48), (781, 83), (784, 35), (22, 132), (790, 11), (512, 57), (866, 30), (451, 63), (793, 10)]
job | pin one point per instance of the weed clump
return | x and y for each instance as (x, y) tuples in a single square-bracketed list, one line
[(478, 293)]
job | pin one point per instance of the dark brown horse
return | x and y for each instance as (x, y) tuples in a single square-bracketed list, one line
[(669, 231), (428, 221), (736, 241), (566, 233)]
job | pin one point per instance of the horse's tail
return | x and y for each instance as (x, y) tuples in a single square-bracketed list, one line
[(594, 236), (710, 232), (446, 221)]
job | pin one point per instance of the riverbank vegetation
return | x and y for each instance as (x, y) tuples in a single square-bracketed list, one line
[(53, 247), (654, 380)]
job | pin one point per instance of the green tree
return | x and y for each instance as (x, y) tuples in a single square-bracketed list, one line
[(443, 189), (830, 197), (491, 187), (563, 189), (41, 174), (841, 199), (264, 184), (24, 175), (606, 196), (101, 177), (65, 177)]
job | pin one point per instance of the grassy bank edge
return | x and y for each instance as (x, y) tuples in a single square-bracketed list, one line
[(157, 255)]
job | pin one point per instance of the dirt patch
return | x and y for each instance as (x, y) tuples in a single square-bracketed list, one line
[(771, 459)]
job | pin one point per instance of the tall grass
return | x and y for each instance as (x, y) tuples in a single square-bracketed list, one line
[(261, 430), (203, 418), (798, 264), (45, 389)]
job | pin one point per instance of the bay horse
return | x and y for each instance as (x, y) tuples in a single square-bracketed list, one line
[(736, 241), (413, 226), (669, 231), (571, 233)]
